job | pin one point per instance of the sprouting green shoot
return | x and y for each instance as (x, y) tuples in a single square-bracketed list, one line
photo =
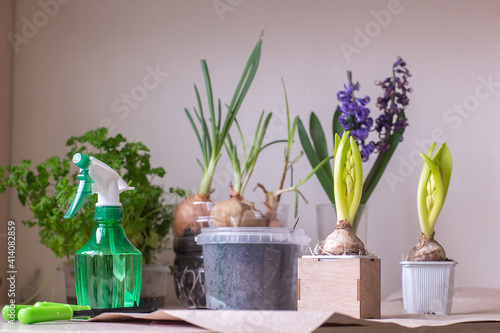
[(295, 188), (212, 140), (433, 187), (243, 171), (347, 178), (273, 197), (291, 129)]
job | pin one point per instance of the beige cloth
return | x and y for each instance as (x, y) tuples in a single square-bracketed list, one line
[(469, 305)]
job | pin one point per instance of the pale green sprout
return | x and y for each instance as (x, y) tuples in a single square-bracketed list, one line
[(273, 197), (433, 187), (243, 171), (347, 177)]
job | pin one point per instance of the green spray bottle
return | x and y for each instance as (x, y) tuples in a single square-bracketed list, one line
[(108, 268)]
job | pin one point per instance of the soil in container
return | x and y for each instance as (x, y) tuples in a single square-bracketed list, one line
[(251, 276)]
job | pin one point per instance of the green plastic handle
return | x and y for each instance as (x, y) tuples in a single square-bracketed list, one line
[(10, 312), (45, 313), (37, 304), (73, 307)]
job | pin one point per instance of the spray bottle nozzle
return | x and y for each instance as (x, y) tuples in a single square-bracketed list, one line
[(96, 177), (81, 160)]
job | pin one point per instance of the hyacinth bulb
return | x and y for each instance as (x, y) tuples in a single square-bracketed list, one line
[(348, 187)]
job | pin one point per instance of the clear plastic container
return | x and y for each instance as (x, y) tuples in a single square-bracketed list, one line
[(428, 286), (251, 268), (188, 273)]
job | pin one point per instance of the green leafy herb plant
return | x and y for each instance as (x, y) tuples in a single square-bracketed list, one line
[(431, 194), (48, 190)]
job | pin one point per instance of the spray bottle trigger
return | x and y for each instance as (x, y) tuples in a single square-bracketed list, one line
[(123, 186), (82, 194)]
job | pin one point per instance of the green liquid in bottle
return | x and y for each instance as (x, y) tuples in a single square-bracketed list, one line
[(108, 269)]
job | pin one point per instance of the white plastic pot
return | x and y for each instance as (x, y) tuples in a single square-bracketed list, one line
[(428, 286)]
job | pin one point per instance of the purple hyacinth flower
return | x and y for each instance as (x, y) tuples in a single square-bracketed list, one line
[(355, 116), (392, 104)]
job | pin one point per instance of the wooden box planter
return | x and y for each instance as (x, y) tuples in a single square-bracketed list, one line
[(345, 284)]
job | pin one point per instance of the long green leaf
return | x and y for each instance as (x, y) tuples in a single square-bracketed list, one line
[(315, 170), (272, 143), (219, 135), (319, 140), (250, 76), (249, 164), (264, 130), (207, 142), (251, 64), (210, 97), (197, 133), (242, 139), (242, 88), (259, 135), (323, 177), (336, 125), (290, 131), (219, 117)]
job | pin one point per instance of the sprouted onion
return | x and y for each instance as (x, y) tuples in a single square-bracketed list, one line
[(212, 139)]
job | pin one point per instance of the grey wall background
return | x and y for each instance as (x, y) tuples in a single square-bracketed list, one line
[(72, 70), (6, 55)]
